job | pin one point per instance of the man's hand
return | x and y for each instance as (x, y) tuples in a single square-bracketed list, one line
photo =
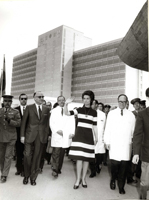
[(49, 138), (108, 146), (22, 139), (135, 159), (71, 136), (95, 141), (60, 132)]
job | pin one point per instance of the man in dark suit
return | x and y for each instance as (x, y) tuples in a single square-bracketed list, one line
[(135, 169), (9, 120), (19, 145), (34, 132), (141, 148)]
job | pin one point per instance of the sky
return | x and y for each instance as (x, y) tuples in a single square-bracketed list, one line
[(21, 22)]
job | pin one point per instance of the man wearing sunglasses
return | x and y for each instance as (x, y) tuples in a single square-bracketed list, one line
[(9, 120), (19, 145), (34, 135)]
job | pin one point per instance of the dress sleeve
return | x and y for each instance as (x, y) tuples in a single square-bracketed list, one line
[(73, 112), (95, 119)]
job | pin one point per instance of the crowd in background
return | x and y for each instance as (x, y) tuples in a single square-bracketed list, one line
[(91, 136)]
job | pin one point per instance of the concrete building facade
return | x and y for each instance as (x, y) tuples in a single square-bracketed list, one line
[(54, 60), (65, 63), (23, 74)]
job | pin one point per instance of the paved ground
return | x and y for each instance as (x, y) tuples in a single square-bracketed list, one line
[(48, 188)]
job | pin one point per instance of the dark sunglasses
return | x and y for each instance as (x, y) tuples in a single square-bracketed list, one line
[(40, 97), (23, 98), (7, 101)]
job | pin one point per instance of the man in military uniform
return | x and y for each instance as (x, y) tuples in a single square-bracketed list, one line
[(136, 104), (9, 120)]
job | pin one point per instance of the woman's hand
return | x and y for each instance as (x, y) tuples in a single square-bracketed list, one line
[(69, 100)]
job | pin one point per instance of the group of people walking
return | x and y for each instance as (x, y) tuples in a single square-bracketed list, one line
[(88, 131)]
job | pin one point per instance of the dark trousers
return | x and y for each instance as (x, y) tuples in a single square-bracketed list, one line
[(144, 184), (98, 161), (20, 156), (57, 158), (32, 157), (43, 156), (6, 155), (119, 171)]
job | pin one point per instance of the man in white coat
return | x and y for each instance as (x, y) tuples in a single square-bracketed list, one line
[(100, 146), (62, 128), (118, 139)]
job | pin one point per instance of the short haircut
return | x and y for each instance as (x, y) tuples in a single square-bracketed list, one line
[(95, 101), (89, 93), (35, 93), (60, 96), (122, 95), (22, 95), (100, 103)]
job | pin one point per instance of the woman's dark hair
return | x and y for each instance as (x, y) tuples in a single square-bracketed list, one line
[(89, 93)]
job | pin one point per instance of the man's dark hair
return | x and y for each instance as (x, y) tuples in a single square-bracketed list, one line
[(122, 95), (60, 96), (95, 101), (22, 95)]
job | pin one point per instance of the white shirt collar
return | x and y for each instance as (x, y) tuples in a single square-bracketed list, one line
[(37, 106)]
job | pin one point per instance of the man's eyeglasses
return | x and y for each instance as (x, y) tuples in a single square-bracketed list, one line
[(122, 101), (7, 101), (23, 98), (40, 97)]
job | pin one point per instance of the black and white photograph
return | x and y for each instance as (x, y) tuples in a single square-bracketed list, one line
[(74, 100)]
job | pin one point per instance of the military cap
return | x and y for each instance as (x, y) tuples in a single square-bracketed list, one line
[(147, 92), (143, 102), (133, 101), (5, 96), (107, 106)]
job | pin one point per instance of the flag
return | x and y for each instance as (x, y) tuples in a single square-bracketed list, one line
[(3, 78)]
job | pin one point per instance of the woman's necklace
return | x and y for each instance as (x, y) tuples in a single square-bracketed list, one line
[(86, 113)]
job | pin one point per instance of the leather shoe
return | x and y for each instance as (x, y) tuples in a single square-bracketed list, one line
[(55, 174), (25, 180), (122, 191), (85, 186), (98, 170), (22, 174), (17, 173), (33, 182), (3, 179), (75, 187), (112, 185), (92, 175)]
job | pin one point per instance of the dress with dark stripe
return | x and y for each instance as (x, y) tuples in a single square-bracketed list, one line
[(82, 146)]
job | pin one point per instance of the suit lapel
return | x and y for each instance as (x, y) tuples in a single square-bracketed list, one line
[(35, 110)]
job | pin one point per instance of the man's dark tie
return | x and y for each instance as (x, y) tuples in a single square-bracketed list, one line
[(122, 112), (62, 111), (23, 109), (39, 109)]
